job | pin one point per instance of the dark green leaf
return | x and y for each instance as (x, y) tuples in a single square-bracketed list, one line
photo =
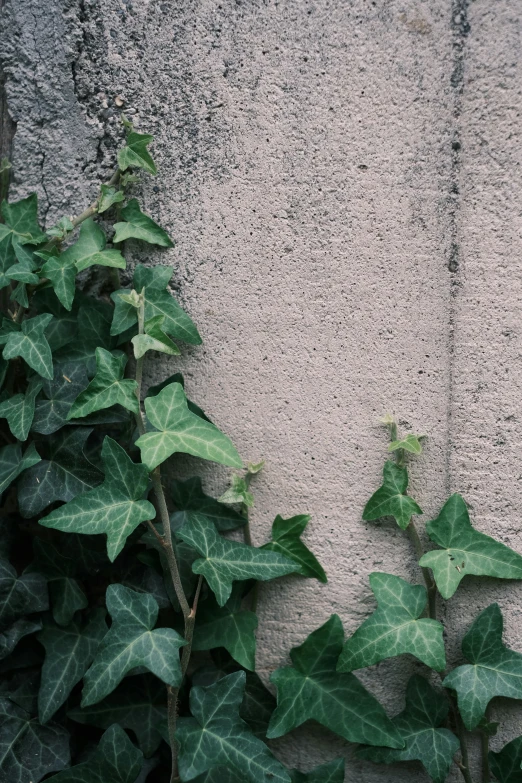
[(61, 271), (286, 539), (68, 383), (20, 595), (31, 344), (229, 627), (189, 499), (391, 500), (333, 772), (506, 764), (137, 225), (10, 637), (19, 410), (135, 154), (22, 218), (12, 463), (65, 593), (107, 388)]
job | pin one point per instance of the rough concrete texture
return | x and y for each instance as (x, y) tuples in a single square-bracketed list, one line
[(342, 179)]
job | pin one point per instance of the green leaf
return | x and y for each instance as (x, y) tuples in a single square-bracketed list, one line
[(115, 508), (62, 474), (137, 225), (69, 652), (237, 493), (29, 751), (135, 154), (506, 764), (107, 388), (419, 726), (154, 339), (312, 689), (494, 669), (138, 704), (391, 500), (224, 561), (158, 301), (229, 627), (216, 736), (115, 760), (7, 255), (131, 642), (180, 430), (22, 218), (20, 595), (12, 463), (333, 772), (411, 443), (65, 593), (19, 410), (286, 539), (51, 414), (61, 271), (93, 332), (109, 195), (10, 638), (31, 344), (90, 249), (395, 628), (189, 500), (465, 550), (61, 229)]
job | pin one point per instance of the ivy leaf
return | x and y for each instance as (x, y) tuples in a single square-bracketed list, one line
[(395, 628), (411, 443), (506, 764), (137, 225), (131, 642), (10, 638), (333, 772), (225, 561), (158, 301), (31, 344), (237, 493), (68, 383), (286, 539), (189, 499), (419, 726), (495, 670), (61, 271), (107, 388), (29, 751), (109, 195), (465, 550), (19, 410), (312, 689), (21, 218), (62, 474), (229, 627), (93, 332), (390, 499), (12, 463), (154, 339), (20, 595), (115, 760), (180, 430), (65, 593), (138, 704), (115, 507), (135, 154), (216, 736), (69, 652), (90, 249)]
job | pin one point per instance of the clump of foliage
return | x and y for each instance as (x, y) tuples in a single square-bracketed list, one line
[(127, 611)]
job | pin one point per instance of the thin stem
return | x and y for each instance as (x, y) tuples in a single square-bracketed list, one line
[(461, 731), (430, 584), (93, 208), (172, 712), (484, 745), (139, 363)]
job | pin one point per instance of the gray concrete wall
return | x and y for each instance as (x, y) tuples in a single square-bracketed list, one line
[(342, 178)]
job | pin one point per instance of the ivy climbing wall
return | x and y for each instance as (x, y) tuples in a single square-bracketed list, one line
[(342, 178)]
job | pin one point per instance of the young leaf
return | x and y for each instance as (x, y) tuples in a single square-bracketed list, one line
[(333, 772), (411, 443), (31, 344), (90, 249), (229, 627), (19, 410), (20, 595), (395, 628), (69, 652), (180, 430), (216, 735), (494, 669), (109, 195), (237, 493), (312, 689), (154, 339), (115, 508), (189, 499), (107, 388), (506, 764), (419, 725), (65, 593), (116, 760), (130, 643), (137, 225), (224, 561), (286, 539), (138, 704), (29, 751), (12, 463), (390, 499), (68, 383), (62, 474), (135, 154), (465, 550)]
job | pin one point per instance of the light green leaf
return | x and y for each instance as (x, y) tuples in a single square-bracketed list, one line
[(237, 493), (216, 736), (333, 772), (109, 195), (312, 689), (411, 443), (395, 628), (61, 229), (229, 627), (135, 154), (224, 561), (419, 725), (506, 764), (116, 760), (19, 410), (12, 463), (286, 539), (391, 500), (180, 430), (495, 670), (154, 339), (20, 595), (69, 381), (65, 593), (465, 550), (130, 643), (189, 499), (90, 249), (115, 508), (31, 344), (137, 225), (69, 652), (107, 388)]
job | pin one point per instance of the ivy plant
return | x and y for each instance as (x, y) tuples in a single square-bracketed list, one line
[(128, 595)]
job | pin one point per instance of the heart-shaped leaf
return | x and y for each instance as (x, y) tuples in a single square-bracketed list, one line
[(31, 344), (135, 154), (107, 388), (333, 772), (137, 225), (506, 764), (189, 499), (61, 270), (286, 539), (19, 410), (12, 463), (229, 627), (20, 595), (391, 500), (410, 443)]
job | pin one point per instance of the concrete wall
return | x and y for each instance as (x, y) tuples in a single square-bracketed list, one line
[(343, 180)]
